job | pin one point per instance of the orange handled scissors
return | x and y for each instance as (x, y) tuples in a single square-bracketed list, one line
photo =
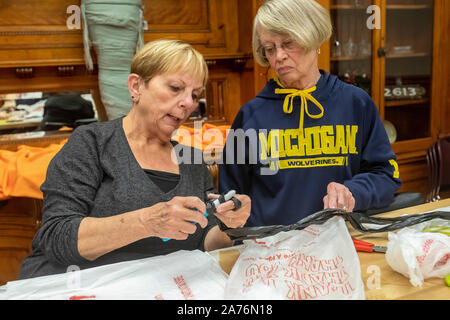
[(364, 246)]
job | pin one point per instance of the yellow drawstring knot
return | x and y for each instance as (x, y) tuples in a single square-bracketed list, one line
[(288, 103)]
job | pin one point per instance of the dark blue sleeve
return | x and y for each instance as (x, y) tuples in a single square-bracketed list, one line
[(378, 178)]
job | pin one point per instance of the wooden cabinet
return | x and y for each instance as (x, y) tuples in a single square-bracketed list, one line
[(19, 220), (394, 50), (41, 47)]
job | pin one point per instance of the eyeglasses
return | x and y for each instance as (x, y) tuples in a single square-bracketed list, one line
[(288, 46)]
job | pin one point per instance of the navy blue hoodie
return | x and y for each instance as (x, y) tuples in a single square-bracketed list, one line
[(287, 145)]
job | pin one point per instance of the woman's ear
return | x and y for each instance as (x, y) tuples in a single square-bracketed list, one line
[(134, 86)]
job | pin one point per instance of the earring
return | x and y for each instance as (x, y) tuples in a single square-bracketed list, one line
[(135, 98), (318, 51)]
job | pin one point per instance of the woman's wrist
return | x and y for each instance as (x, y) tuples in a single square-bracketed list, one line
[(217, 239)]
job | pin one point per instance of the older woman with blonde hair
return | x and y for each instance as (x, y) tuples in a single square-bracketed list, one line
[(320, 142), (119, 191)]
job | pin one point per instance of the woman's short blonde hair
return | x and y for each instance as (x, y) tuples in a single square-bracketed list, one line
[(305, 21), (167, 56)]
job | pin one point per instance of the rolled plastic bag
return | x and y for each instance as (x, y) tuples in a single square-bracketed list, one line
[(317, 262), (418, 255)]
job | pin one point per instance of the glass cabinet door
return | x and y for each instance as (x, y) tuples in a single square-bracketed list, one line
[(351, 43), (408, 66)]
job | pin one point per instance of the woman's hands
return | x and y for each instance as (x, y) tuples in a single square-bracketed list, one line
[(339, 197), (174, 219), (216, 239), (231, 218)]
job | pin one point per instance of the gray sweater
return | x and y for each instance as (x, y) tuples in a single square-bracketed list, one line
[(95, 174)]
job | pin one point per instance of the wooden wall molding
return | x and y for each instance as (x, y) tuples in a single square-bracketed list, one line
[(28, 46), (20, 33)]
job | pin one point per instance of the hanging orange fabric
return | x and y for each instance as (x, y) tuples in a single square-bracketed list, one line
[(23, 171)]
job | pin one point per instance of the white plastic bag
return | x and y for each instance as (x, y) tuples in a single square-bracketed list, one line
[(419, 255), (177, 276), (318, 262)]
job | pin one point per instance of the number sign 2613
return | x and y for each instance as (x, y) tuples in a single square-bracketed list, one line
[(404, 92)]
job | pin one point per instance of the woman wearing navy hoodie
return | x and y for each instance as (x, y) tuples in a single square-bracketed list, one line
[(307, 141)]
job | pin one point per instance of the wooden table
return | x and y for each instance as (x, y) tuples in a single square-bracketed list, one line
[(394, 285), (391, 285)]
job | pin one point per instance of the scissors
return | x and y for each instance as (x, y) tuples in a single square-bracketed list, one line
[(212, 204), (364, 246)]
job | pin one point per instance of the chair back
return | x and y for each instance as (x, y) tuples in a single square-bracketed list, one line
[(433, 172), (443, 150), (438, 161)]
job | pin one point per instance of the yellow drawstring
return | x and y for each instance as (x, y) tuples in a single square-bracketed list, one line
[(288, 103)]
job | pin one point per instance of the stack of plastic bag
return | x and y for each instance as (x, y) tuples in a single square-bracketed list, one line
[(183, 275), (318, 262)]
